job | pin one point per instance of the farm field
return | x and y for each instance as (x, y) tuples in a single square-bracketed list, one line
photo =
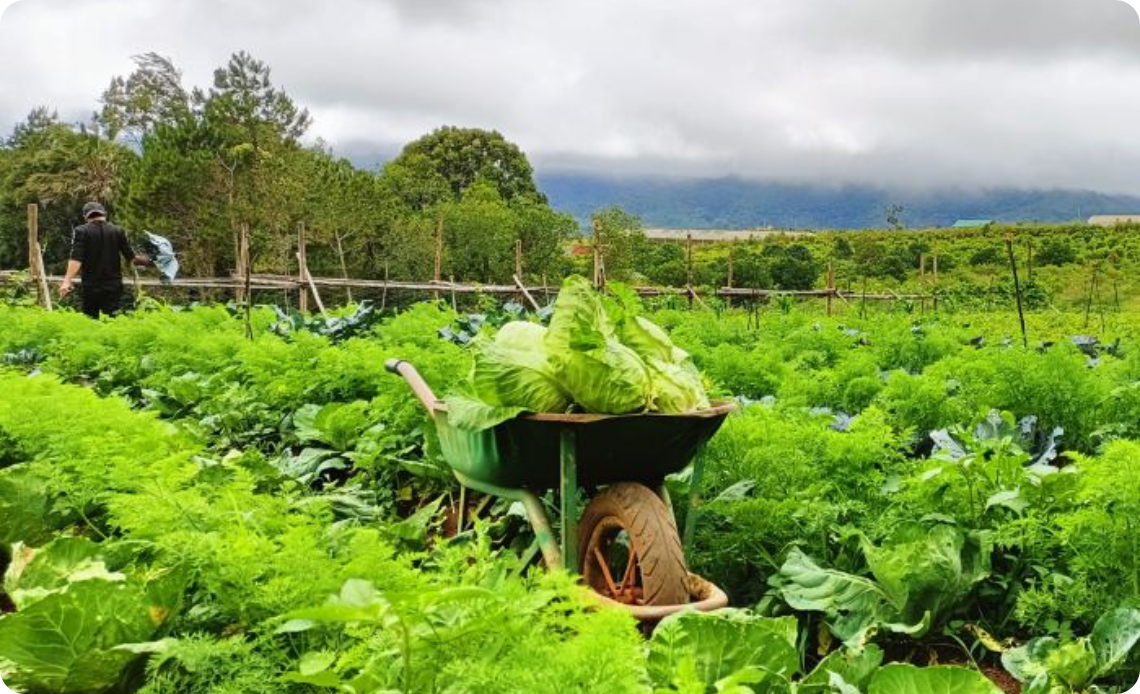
[(902, 503)]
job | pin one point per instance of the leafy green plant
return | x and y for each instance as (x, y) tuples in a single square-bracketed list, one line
[(690, 652), (78, 625), (1048, 665), (899, 678), (921, 575)]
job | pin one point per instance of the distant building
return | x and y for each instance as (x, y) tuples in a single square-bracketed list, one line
[(972, 223), (715, 235), (1111, 220)]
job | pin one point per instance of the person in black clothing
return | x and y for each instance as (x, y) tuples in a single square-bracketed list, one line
[(95, 250)]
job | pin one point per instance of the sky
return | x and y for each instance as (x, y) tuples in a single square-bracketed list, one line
[(901, 94)]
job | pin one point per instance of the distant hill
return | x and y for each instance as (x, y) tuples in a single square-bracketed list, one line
[(736, 203)]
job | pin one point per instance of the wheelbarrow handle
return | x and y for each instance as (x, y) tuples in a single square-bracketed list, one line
[(416, 382)]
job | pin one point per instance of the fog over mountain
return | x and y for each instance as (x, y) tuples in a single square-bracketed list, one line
[(736, 203), (921, 95)]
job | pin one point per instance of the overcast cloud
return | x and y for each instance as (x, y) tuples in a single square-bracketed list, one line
[(1038, 93)]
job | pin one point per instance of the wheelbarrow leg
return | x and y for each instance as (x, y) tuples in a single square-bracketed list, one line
[(569, 480), (543, 535), (535, 513)]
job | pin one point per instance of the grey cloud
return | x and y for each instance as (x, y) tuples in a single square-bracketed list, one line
[(972, 29), (903, 93)]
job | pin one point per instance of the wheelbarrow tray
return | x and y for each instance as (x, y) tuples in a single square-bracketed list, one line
[(524, 452)]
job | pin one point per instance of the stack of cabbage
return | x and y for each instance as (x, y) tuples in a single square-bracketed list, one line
[(590, 360)]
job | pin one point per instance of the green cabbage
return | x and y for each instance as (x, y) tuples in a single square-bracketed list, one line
[(647, 339), (596, 361), (676, 387), (608, 380), (513, 370), (579, 321)]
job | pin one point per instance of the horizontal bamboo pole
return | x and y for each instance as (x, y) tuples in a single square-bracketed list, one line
[(268, 282)]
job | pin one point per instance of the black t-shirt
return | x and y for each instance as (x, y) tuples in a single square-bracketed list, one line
[(98, 245)]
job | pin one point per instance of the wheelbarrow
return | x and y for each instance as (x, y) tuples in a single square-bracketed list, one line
[(625, 544)]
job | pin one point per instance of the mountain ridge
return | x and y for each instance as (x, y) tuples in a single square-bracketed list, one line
[(737, 203)]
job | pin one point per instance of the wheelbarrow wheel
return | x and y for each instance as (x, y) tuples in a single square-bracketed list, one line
[(629, 549)]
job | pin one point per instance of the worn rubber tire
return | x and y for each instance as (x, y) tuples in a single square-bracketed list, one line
[(641, 513)]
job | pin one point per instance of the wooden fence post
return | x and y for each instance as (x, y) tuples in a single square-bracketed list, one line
[(922, 282), (302, 270), (436, 276), (518, 270), (830, 285), (731, 269), (33, 241), (689, 267), (36, 258), (934, 290), (384, 293), (247, 278), (598, 272)]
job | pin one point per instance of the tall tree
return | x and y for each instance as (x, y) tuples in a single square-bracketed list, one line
[(620, 238), (234, 158), (244, 105), (463, 155), (151, 95), (479, 235)]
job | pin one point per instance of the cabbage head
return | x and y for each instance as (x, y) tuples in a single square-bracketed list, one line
[(646, 338), (512, 370), (676, 387), (579, 321), (611, 379)]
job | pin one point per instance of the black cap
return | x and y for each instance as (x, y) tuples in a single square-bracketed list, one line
[(93, 208)]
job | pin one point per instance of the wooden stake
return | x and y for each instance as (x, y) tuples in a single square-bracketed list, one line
[(523, 289), (343, 265), (597, 256), (922, 282), (43, 278), (242, 261), (731, 268), (384, 292), (934, 291), (312, 285), (518, 271), (36, 258), (436, 275), (1016, 287), (830, 286), (302, 269), (689, 267), (247, 275)]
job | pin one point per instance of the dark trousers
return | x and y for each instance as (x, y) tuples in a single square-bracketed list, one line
[(102, 298)]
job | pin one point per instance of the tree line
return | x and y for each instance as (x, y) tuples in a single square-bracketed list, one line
[(194, 164)]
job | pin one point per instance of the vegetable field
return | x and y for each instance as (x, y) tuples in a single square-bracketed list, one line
[(902, 504)]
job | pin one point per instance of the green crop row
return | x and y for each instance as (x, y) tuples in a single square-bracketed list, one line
[(971, 491)]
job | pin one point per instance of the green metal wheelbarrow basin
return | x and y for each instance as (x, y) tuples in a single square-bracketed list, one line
[(524, 452)]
